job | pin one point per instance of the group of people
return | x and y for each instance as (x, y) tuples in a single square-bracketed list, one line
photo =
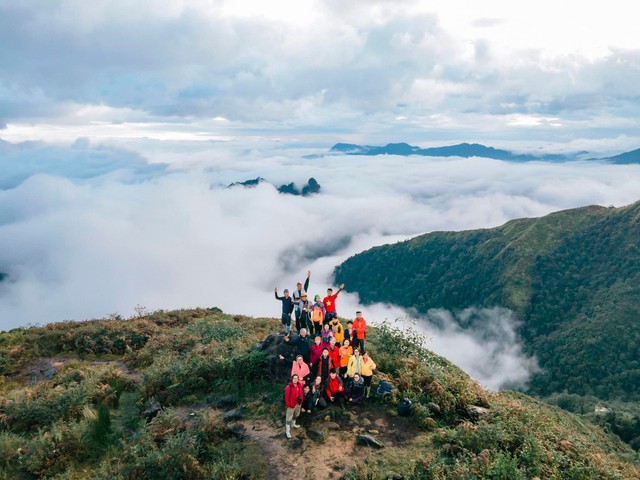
[(331, 365)]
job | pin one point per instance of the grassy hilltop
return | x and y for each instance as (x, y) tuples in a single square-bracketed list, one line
[(197, 394), (573, 277)]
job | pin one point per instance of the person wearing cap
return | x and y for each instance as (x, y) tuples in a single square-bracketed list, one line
[(304, 305), (297, 295), (316, 316), (287, 309), (330, 304)]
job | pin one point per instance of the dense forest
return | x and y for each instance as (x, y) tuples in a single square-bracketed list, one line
[(573, 277)]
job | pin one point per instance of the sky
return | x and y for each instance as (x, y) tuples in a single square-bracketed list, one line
[(123, 123)]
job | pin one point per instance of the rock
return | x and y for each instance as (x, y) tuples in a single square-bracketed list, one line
[(395, 476), (331, 426), (327, 418), (311, 187), (368, 440), (234, 414), (379, 422), (226, 402), (373, 432), (476, 412), (237, 429), (434, 407), (296, 443), (316, 434), (365, 422), (152, 411)]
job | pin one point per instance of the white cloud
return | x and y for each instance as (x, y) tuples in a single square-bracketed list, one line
[(105, 240)]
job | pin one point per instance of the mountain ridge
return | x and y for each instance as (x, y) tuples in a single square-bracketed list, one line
[(468, 150), (570, 276)]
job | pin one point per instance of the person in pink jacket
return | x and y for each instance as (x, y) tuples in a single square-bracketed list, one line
[(300, 369)]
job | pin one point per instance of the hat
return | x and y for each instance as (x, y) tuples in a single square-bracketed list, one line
[(317, 297), (286, 290), (304, 294)]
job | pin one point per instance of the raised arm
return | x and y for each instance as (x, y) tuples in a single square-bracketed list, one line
[(306, 282)]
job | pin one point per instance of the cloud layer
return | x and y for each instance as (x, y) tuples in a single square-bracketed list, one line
[(411, 71), (89, 241)]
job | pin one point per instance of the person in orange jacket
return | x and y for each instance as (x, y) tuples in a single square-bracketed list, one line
[(345, 353), (360, 326)]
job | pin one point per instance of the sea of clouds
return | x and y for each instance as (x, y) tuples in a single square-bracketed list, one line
[(88, 230)]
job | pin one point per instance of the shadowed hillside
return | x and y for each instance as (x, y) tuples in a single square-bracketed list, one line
[(572, 276), (197, 394)]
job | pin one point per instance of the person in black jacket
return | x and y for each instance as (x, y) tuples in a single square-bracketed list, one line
[(287, 308), (301, 342), (297, 296)]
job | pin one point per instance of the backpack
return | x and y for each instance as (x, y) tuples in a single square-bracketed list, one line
[(404, 409), (316, 315), (384, 388)]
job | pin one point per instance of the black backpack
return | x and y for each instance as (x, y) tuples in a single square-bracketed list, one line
[(384, 388), (404, 409)]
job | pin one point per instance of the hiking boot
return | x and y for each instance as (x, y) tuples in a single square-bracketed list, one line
[(287, 430), (295, 425)]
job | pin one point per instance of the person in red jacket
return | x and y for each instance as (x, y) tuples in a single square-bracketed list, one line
[(293, 396), (330, 304), (316, 352), (325, 365), (359, 325), (334, 353), (334, 390)]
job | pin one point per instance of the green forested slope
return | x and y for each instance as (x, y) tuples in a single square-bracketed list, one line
[(572, 276)]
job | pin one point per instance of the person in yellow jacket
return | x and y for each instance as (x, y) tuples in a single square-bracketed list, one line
[(355, 364), (338, 330), (366, 370)]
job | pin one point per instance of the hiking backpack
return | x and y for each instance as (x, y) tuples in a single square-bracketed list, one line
[(316, 315)]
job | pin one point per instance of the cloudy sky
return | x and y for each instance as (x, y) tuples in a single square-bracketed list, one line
[(122, 123)]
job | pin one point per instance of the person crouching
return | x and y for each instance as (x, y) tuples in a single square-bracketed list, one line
[(334, 391)]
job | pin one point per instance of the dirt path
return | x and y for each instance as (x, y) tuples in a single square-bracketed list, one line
[(300, 457)]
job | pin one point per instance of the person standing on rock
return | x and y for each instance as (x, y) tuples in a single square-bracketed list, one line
[(303, 311), (330, 304), (345, 354), (301, 342), (338, 330), (316, 352), (360, 326), (297, 295), (316, 316), (355, 364), (367, 367), (287, 309), (293, 396)]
